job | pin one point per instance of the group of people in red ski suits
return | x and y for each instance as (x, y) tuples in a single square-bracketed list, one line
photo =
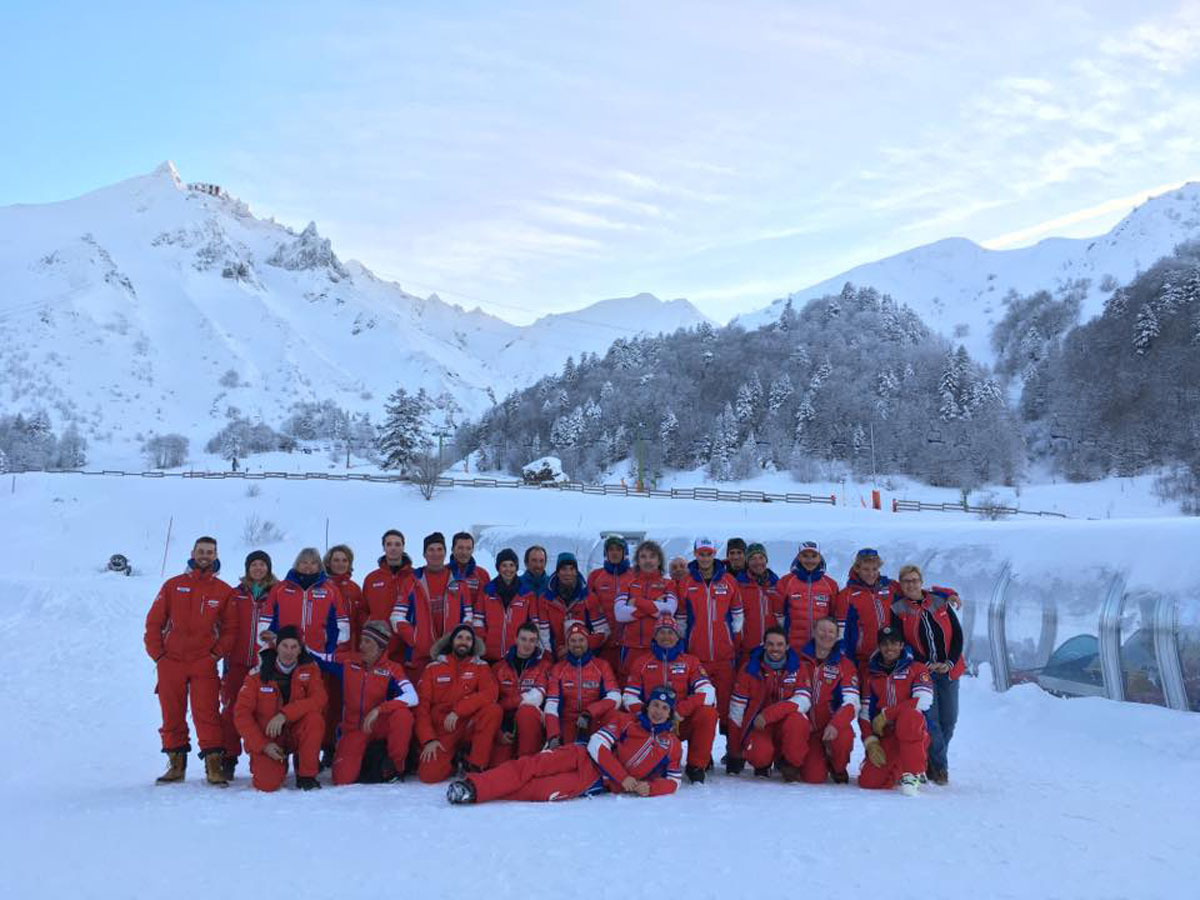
[(545, 685)]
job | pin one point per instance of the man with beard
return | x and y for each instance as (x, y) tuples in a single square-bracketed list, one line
[(767, 714), (458, 706), (190, 626)]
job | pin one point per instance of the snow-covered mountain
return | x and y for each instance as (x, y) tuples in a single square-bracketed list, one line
[(958, 287), (154, 306)]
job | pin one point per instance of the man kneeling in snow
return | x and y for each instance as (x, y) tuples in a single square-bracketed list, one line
[(892, 718), (280, 710), (636, 756), (377, 707)]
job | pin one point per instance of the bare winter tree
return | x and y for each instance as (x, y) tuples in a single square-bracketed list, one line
[(425, 470)]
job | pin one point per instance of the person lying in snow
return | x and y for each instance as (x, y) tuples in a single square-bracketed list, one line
[(639, 756)]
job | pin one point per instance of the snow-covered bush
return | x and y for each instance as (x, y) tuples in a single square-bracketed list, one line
[(165, 451), (257, 532)]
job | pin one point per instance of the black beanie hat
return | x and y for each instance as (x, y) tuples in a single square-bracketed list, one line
[(288, 631), (507, 555), (258, 554), (735, 544)]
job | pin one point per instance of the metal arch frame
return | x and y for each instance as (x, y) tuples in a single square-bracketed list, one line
[(1110, 638), (1001, 674), (1166, 652)]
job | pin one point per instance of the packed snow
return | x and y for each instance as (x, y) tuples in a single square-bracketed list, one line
[(1048, 797)]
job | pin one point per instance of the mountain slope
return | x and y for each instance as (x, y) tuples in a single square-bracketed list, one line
[(151, 305), (958, 287)]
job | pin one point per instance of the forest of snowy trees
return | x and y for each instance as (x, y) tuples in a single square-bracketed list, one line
[(1121, 394), (853, 378), (856, 381)]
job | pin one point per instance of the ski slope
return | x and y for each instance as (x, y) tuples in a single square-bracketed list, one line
[(1049, 797)]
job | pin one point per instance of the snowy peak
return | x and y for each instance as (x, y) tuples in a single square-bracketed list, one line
[(308, 251), (958, 287), (156, 305)]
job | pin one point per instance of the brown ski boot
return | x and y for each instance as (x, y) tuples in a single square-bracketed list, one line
[(791, 774), (214, 768), (176, 766)]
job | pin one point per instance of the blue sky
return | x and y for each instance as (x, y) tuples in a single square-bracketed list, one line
[(534, 157)]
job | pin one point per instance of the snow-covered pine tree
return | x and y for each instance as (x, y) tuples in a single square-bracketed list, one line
[(948, 389), (668, 437), (781, 393), (1145, 329), (403, 434), (748, 401)]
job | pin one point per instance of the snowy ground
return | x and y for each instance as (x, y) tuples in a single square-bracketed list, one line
[(1050, 797)]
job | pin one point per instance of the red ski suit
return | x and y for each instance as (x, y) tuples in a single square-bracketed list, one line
[(834, 694), (467, 688), (554, 615), (355, 605), (498, 623), (384, 591), (631, 747), (783, 698), (805, 597), (324, 622), (252, 618), (385, 687), (472, 579), (647, 596), (697, 698), (580, 685), (861, 610), (521, 698), (318, 611), (424, 616), (903, 693), (604, 586), (761, 607), (261, 699), (713, 618), (190, 625)]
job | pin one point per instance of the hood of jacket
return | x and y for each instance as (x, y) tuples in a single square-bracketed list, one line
[(617, 568), (405, 562), (835, 655), (745, 577), (876, 662), (306, 582), (804, 575), (718, 570), (533, 584), (441, 647), (755, 663), (852, 580)]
